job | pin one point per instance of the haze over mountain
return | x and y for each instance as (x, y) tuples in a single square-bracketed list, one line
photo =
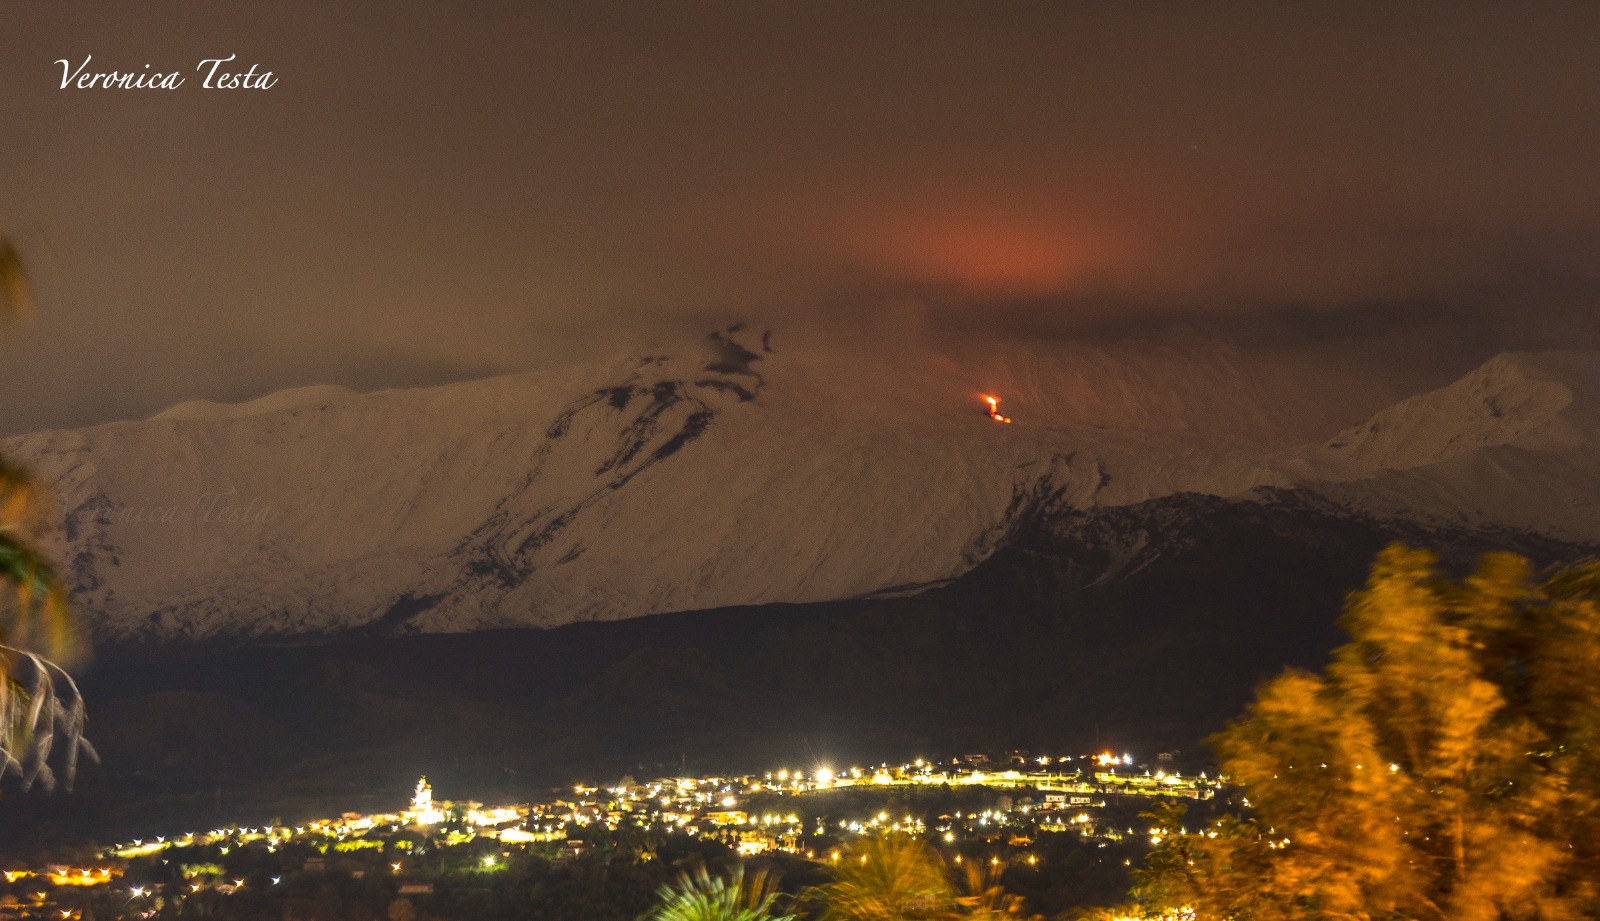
[(734, 471)]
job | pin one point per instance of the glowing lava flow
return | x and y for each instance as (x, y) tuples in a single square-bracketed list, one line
[(994, 409)]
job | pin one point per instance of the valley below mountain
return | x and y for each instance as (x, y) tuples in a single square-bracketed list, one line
[(731, 557)]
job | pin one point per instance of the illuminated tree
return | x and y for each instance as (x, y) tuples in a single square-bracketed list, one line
[(41, 711), (889, 879), (1443, 767), (899, 878), (985, 898), (699, 896)]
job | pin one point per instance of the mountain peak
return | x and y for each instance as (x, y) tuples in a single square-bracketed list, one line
[(277, 401), (1523, 398)]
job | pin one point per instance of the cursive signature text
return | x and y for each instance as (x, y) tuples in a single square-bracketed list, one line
[(214, 73)]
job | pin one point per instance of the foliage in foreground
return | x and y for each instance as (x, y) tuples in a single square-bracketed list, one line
[(40, 707), (893, 878), (699, 896), (1442, 767)]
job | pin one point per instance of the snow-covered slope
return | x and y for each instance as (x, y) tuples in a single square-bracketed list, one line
[(728, 473), (1515, 444)]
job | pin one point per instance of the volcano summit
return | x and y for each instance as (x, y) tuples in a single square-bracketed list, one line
[(731, 473)]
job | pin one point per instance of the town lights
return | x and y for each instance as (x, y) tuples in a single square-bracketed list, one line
[(697, 801)]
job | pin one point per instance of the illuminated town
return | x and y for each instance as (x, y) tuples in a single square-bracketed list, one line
[(974, 808)]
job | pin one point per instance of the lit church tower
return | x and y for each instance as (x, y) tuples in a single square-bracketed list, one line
[(422, 809)]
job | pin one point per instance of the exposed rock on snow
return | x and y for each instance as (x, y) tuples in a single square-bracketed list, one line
[(732, 473)]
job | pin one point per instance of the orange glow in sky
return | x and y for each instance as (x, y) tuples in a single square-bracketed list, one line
[(990, 253)]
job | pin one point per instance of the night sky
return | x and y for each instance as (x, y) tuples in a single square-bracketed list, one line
[(1369, 197)]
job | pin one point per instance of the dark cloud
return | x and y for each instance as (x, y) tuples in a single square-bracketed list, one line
[(1381, 191)]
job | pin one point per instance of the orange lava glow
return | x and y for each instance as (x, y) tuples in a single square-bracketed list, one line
[(994, 409)]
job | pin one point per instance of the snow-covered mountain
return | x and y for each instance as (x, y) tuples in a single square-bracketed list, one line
[(735, 472), (1516, 443)]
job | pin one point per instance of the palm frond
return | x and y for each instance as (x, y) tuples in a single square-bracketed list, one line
[(986, 897), (895, 878), (40, 709), (16, 292), (14, 475), (699, 896), (39, 618), (15, 481)]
